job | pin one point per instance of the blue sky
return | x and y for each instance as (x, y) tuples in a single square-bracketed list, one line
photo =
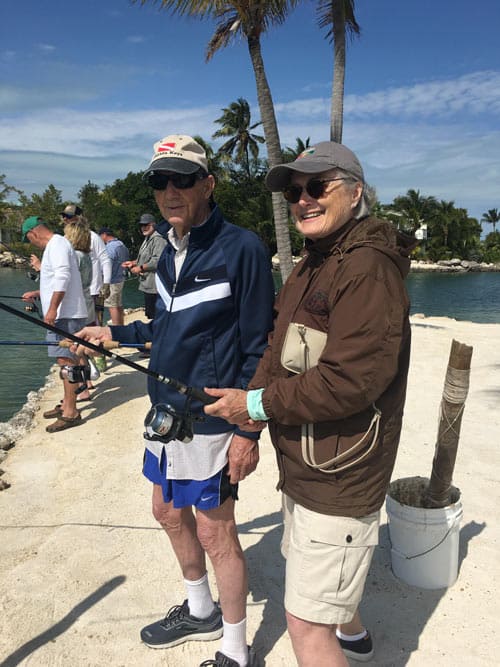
[(87, 87)]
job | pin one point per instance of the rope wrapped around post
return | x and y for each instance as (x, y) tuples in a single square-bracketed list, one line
[(455, 392)]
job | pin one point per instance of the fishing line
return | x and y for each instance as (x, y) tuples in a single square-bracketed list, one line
[(179, 386)]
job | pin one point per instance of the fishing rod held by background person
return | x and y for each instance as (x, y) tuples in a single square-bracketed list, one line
[(30, 307), (107, 344), (190, 392), (32, 275)]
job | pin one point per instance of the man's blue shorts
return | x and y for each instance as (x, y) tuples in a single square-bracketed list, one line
[(71, 325), (204, 494)]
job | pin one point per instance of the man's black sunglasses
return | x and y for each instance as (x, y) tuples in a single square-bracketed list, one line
[(315, 188), (158, 180)]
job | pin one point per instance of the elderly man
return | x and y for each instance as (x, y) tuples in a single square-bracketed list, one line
[(147, 260), (212, 317), (63, 306), (332, 387)]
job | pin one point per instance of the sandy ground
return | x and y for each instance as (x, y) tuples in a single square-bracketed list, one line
[(83, 566)]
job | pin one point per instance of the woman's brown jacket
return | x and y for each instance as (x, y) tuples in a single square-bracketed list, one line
[(350, 285)]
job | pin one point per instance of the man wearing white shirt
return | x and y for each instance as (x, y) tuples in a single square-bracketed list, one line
[(63, 306)]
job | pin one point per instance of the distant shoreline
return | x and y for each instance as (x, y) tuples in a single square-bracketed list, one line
[(417, 266)]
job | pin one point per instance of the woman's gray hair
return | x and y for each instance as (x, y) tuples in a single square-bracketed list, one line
[(368, 197)]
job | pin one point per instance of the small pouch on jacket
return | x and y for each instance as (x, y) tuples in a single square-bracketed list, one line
[(302, 347)]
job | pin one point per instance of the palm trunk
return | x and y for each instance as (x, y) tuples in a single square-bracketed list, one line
[(337, 106), (268, 117)]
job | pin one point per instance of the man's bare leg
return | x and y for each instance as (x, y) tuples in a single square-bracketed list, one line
[(219, 538), (117, 317), (180, 526), (69, 400), (315, 644)]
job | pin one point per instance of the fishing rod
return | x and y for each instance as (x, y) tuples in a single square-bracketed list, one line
[(190, 392), (107, 344), (30, 307), (32, 275)]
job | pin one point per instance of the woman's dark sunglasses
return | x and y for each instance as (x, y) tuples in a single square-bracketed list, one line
[(158, 180), (315, 188), (67, 216)]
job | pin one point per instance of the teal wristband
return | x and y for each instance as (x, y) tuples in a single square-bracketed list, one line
[(254, 405)]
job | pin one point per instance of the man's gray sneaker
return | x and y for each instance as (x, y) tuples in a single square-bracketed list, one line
[(179, 626)]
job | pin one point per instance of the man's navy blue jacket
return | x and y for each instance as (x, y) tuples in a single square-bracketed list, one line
[(211, 326)]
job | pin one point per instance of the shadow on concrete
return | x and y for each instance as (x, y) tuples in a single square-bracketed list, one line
[(64, 624)]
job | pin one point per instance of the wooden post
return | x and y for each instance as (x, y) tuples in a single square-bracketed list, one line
[(455, 391)]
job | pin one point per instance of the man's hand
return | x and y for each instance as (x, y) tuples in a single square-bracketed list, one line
[(35, 263), (50, 316), (243, 456), (129, 264), (30, 296), (94, 335), (105, 291), (135, 270)]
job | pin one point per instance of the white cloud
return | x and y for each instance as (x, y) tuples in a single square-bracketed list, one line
[(474, 93), (433, 137), (136, 39), (47, 48)]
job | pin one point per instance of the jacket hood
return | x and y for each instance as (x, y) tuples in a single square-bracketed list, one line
[(372, 232)]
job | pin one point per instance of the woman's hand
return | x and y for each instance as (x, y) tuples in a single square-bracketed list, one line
[(231, 406)]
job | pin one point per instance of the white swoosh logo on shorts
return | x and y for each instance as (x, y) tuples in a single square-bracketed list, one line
[(205, 499), (200, 280)]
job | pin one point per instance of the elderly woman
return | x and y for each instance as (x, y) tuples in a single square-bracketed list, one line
[(331, 386)]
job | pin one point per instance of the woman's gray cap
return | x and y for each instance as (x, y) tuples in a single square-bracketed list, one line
[(314, 160), (147, 219)]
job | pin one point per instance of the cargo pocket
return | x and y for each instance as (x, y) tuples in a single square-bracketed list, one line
[(332, 555)]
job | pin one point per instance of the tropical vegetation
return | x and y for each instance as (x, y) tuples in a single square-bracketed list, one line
[(445, 231)]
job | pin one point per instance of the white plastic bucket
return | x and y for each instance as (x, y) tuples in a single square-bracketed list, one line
[(424, 543)]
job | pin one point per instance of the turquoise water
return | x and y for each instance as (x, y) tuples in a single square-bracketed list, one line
[(470, 296)]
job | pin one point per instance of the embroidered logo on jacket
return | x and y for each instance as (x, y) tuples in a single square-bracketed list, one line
[(317, 303)]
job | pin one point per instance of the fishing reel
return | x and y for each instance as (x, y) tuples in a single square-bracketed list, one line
[(163, 423), (75, 374)]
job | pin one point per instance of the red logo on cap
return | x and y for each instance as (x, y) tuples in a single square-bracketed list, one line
[(165, 148)]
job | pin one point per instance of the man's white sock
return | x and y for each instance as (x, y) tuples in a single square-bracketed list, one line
[(200, 601), (234, 641), (350, 638)]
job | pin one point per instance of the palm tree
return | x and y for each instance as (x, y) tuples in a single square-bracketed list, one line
[(338, 17), (215, 159), (412, 210), (249, 19), (235, 122), (492, 216), (291, 154)]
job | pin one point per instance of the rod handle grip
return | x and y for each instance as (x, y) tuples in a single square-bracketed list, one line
[(106, 344), (201, 396)]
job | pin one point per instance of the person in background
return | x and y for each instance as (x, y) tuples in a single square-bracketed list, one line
[(118, 254), (331, 386), (147, 260), (78, 234), (101, 261), (63, 306), (214, 309)]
